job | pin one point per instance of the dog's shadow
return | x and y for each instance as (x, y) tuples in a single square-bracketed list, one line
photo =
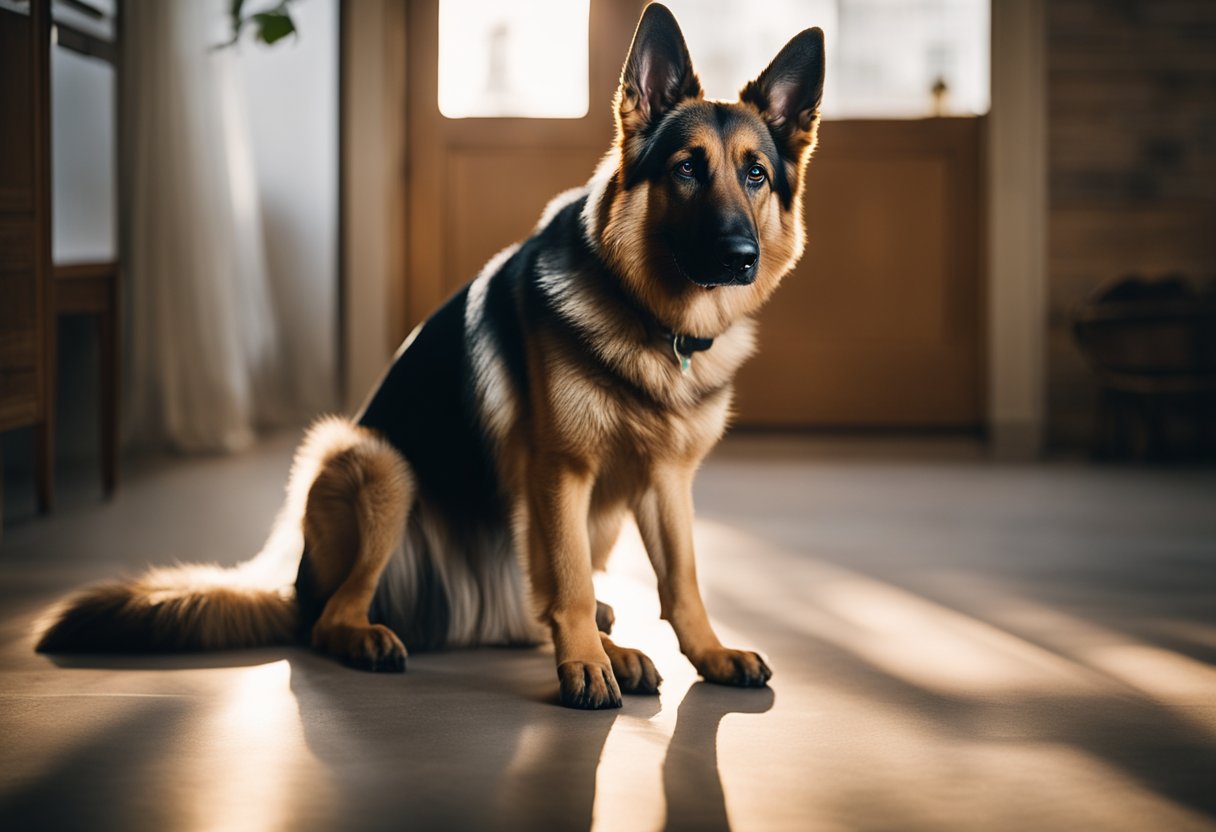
[(692, 783), (449, 750)]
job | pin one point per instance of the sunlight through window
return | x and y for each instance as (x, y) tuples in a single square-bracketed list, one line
[(524, 59), (885, 58), (248, 763)]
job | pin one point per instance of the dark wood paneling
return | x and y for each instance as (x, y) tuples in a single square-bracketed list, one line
[(26, 338), (17, 172), (24, 215)]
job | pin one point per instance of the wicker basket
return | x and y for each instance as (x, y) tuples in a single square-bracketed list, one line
[(1152, 346)]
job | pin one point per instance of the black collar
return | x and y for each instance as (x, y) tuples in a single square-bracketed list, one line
[(683, 346)]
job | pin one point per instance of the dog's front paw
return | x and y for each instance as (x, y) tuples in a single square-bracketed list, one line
[(373, 647), (588, 686), (741, 668), (634, 671)]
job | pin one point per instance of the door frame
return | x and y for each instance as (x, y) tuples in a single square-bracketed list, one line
[(372, 192), (1017, 230)]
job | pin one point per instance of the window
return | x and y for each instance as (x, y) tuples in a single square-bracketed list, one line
[(885, 58), (83, 158), (525, 58)]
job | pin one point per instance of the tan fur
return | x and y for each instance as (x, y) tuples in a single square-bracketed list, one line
[(354, 519)]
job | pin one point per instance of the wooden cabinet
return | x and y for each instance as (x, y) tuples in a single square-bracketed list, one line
[(26, 331)]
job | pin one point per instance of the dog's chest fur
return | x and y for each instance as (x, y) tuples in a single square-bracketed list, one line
[(602, 382)]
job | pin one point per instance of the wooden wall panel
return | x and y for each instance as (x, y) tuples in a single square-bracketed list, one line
[(20, 328), (1132, 164), (17, 93), (24, 217)]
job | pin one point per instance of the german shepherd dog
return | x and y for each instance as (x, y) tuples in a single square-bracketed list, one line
[(580, 378)]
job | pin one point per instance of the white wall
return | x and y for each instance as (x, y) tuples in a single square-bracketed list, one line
[(290, 99)]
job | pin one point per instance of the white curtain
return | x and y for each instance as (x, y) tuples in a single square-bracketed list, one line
[(205, 365)]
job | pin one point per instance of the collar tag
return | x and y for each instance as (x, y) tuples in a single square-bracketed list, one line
[(685, 361)]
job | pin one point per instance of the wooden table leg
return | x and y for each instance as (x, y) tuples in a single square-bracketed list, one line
[(44, 462), (107, 332), (92, 289)]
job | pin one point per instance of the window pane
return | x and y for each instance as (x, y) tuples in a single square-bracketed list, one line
[(82, 158), (526, 58), (884, 56)]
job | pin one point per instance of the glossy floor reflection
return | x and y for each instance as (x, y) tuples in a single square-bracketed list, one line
[(957, 645)]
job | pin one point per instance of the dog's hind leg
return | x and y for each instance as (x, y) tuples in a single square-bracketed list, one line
[(604, 617), (354, 520)]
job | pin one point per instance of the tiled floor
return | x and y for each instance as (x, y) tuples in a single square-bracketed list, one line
[(957, 645)]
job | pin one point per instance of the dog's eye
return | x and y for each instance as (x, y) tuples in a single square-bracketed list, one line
[(685, 169), (755, 174)]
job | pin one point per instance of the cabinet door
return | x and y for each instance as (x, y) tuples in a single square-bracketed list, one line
[(879, 324), (24, 213)]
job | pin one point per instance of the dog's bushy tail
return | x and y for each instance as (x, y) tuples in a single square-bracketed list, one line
[(176, 608), (203, 607)]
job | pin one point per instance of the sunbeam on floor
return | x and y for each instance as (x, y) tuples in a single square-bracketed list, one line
[(956, 645)]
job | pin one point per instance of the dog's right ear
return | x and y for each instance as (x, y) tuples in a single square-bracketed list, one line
[(657, 75), (788, 93)]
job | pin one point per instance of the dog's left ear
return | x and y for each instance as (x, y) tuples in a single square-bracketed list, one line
[(657, 75), (789, 91)]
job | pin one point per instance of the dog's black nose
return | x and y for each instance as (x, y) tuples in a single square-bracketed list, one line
[(738, 255)]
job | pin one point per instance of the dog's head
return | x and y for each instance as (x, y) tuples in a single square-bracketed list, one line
[(700, 207)]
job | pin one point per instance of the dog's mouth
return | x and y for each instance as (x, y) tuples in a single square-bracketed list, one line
[(675, 258)]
